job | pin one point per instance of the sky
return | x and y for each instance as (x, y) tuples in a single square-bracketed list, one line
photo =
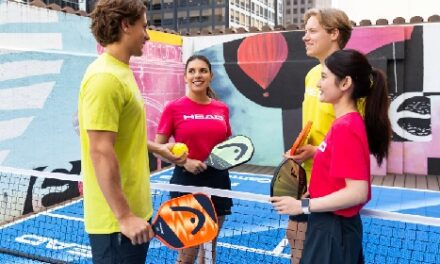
[(389, 9)]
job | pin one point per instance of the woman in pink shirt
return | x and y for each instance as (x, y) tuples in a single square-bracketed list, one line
[(340, 184), (201, 122)]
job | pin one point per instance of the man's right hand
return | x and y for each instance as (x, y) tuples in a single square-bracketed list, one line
[(136, 229)]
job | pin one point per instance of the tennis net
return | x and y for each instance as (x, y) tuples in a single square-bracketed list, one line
[(42, 222)]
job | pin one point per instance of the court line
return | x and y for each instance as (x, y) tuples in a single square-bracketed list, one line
[(253, 174), (277, 252), (371, 213), (155, 244), (393, 207), (38, 214), (403, 218), (62, 216), (253, 250), (405, 189), (284, 243)]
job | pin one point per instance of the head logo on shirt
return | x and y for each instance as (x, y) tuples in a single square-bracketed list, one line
[(203, 117), (322, 146)]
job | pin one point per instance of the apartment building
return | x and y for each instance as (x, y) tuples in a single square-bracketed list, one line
[(294, 11), (197, 15), (62, 3)]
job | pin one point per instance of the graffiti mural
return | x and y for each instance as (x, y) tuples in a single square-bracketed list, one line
[(43, 56), (261, 77), (44, 53)]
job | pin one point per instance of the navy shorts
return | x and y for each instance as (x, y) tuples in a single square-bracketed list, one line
[(333, 239), (212, 178), (116, 248), (301, 218)]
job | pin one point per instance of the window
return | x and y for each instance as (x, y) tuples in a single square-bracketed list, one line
[(63, 3), (167, 22)]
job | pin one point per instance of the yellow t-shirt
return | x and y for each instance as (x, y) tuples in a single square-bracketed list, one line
[(109, 100), (321, 114)]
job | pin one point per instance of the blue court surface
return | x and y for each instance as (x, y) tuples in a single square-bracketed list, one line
[(58, 236)]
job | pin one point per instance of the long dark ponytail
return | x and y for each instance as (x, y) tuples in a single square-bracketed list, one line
[(372, 84), (209, 92)]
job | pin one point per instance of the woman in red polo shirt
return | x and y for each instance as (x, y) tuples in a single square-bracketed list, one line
[(201, 122), (340, 184)]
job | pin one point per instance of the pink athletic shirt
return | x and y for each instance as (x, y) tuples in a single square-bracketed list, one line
[(199, 126), (344, 153)]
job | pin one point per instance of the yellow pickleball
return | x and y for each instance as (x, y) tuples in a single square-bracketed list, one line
[(179, 149)]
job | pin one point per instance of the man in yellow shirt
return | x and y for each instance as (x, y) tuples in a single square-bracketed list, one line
[(326, 31), (117, 200)]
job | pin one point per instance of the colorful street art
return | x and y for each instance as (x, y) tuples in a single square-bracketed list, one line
[(43, 56), (44, 53), (261, 77)]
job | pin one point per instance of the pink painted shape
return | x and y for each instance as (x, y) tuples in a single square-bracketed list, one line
[(416, 154), (411, 157), (375, 169), (159, 74), (395, 158), (367, 39)]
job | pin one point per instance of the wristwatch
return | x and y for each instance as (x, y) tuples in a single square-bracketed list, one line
[(305, 205)]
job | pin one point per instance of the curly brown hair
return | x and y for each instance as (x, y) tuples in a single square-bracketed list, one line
[(108, 15)]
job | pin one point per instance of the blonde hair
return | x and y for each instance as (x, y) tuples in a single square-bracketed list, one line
[(330, 19)]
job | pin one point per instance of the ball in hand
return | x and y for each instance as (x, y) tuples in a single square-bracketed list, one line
[(179, 149)]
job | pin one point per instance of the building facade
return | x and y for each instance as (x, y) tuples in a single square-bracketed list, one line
[(64, 3), (197, 15), (294, 11)]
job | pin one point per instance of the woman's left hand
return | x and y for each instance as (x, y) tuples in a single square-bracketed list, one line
[(286, 205)]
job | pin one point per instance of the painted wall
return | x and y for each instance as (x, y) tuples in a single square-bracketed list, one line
[(43, 56), (261, 78)]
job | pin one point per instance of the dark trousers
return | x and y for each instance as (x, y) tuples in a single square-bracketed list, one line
[(116, 248), (333, 239)]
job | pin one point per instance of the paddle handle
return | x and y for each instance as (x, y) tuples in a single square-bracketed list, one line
[(301, 138)]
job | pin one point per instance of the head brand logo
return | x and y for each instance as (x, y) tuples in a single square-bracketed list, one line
[(203, 117)]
